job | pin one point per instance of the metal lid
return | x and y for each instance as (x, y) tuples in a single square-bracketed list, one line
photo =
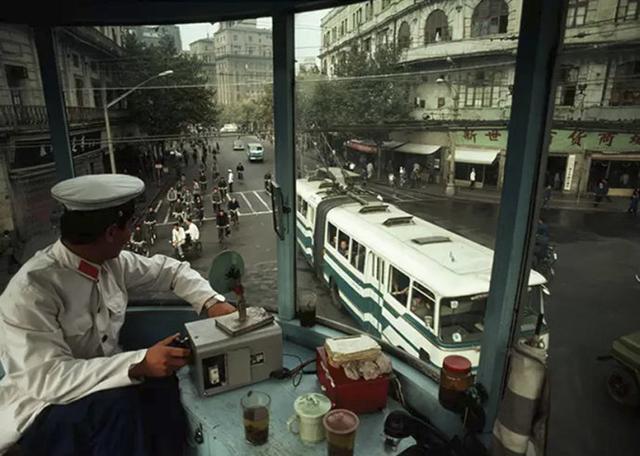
[(341, 421), (456, 363), (312, 405)]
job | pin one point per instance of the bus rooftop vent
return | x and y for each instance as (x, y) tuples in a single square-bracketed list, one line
[(431, 240), (373, 208), (393, 221), (326, 185)]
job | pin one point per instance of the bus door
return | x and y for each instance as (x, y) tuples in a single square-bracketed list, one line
[(376, 275)]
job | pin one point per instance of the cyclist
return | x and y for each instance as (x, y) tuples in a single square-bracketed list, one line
[(150, 221), (216, 199), (240, 171), (188, 201), (222, 186), (203, 181), (267, 182), (178, 209), (192, 233), (232, 207), (137, 239), (178, 238), (172, 196), (222, 223), (196, 187)]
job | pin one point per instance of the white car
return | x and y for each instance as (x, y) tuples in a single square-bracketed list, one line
[(238, 145), (229, 128)]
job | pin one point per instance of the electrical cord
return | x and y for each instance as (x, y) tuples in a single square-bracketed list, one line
[(296, 373)]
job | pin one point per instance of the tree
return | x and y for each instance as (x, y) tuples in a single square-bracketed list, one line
[(185, 101), (364, 99)]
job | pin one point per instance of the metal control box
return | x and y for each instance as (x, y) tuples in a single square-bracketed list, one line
[(222, 363)]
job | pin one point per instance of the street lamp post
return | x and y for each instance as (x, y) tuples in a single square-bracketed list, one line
[(455, 96), (106, 106)]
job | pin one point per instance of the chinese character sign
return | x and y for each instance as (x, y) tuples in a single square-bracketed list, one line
[(606, 138)]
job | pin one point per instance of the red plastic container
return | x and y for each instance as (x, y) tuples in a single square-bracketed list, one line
[(359, 396)]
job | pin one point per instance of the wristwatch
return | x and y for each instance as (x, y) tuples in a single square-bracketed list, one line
[(216, 300)]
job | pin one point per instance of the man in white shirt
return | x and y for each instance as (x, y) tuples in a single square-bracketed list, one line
[(230, 180), (192, 230), (69, 389), (178, 238)]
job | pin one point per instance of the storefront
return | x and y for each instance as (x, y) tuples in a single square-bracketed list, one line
[(481, 161), (427, 156), (622, 173)]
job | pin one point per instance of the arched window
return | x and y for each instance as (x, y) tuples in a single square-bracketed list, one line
[(436, 28), (404, 36), (489, 18)]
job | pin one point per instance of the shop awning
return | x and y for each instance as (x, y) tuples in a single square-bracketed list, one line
[(391, 145), (421, 149), (361, 146), (476, 156)]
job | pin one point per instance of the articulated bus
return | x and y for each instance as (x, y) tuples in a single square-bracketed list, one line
[(412, 283)]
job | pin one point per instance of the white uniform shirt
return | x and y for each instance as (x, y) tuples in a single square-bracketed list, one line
[(178, 236), (230, 178), (193, 231), (60, 318)]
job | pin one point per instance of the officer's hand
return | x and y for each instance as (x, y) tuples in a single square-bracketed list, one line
[(161, 360), (219, 309)]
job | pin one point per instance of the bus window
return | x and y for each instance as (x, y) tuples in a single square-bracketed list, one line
[(399, 286), (358, 253), (331, 236), (382, 272), (343, 245), (304, 208), (299, 204), (422, 304), (462, 319)]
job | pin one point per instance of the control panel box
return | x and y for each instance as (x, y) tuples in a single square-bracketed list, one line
[(222, 363)]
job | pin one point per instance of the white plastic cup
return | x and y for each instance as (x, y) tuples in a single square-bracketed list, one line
[(307, 421)]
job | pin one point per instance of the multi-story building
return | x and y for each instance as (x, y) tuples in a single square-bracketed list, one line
[(463, 57), (243, 60), (26, 161), (151, 35), (204, 50)]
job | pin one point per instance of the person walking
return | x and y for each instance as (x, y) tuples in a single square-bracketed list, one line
[(369, 171), (633, 204), (599, 193), (546, 196), (472, 178)]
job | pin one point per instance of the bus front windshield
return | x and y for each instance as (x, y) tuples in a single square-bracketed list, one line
[(462, 318)]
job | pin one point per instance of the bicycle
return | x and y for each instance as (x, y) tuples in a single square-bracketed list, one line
[(235, 220), (223, 232)]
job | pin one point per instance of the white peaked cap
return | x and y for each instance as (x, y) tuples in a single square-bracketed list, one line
[(97, 191)]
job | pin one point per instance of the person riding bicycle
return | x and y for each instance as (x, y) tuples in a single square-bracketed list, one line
[(137, 238), (172, 196), (222, 223), (196, 187), (203, 181), (150, 221), (178, 238), (240, 171), (267, 182), (232, 206), (188, 200), (216, 199), (192, 232), (222, 186), (178, 209), (541, 245)]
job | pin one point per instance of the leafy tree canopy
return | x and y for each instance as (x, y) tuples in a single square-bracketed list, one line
[(186, 101)]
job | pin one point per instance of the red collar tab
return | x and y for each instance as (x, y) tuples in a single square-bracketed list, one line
[(88, 270)]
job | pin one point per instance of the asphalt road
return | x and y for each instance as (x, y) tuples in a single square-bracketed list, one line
[(594, 295)]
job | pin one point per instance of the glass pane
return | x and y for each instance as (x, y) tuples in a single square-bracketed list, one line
[(586, 188), (382, 190), (190, 113), (28, 214)]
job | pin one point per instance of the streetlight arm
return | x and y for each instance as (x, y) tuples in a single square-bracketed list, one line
[(128, 92)]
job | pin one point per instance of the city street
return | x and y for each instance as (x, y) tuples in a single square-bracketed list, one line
[(594, 249)]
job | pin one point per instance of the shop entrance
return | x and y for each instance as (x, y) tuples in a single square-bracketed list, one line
[(556, 167), (622, 175)]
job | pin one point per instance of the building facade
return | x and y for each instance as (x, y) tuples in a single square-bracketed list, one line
[(243, 60), (463, 56), (151, 35), (204, 50), (26, 157)]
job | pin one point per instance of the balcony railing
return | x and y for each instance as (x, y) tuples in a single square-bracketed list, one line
[(36, 116)]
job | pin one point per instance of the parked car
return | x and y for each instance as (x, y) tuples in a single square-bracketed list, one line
[(255, 152), (229, 128), (238, 145)]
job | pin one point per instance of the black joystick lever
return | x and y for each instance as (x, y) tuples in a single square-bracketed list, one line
[(181, 341)]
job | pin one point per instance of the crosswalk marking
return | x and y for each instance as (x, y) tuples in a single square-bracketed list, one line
[(262, 201), (247, 201)]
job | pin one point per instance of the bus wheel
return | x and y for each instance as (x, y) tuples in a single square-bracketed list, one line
[(335, 294)]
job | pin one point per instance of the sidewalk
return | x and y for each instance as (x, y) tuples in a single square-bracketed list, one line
[(493, 196)]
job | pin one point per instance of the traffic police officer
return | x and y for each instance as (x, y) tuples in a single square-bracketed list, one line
[(69, 388)]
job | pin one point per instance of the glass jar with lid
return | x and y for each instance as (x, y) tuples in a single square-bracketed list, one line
[(455, 379)]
